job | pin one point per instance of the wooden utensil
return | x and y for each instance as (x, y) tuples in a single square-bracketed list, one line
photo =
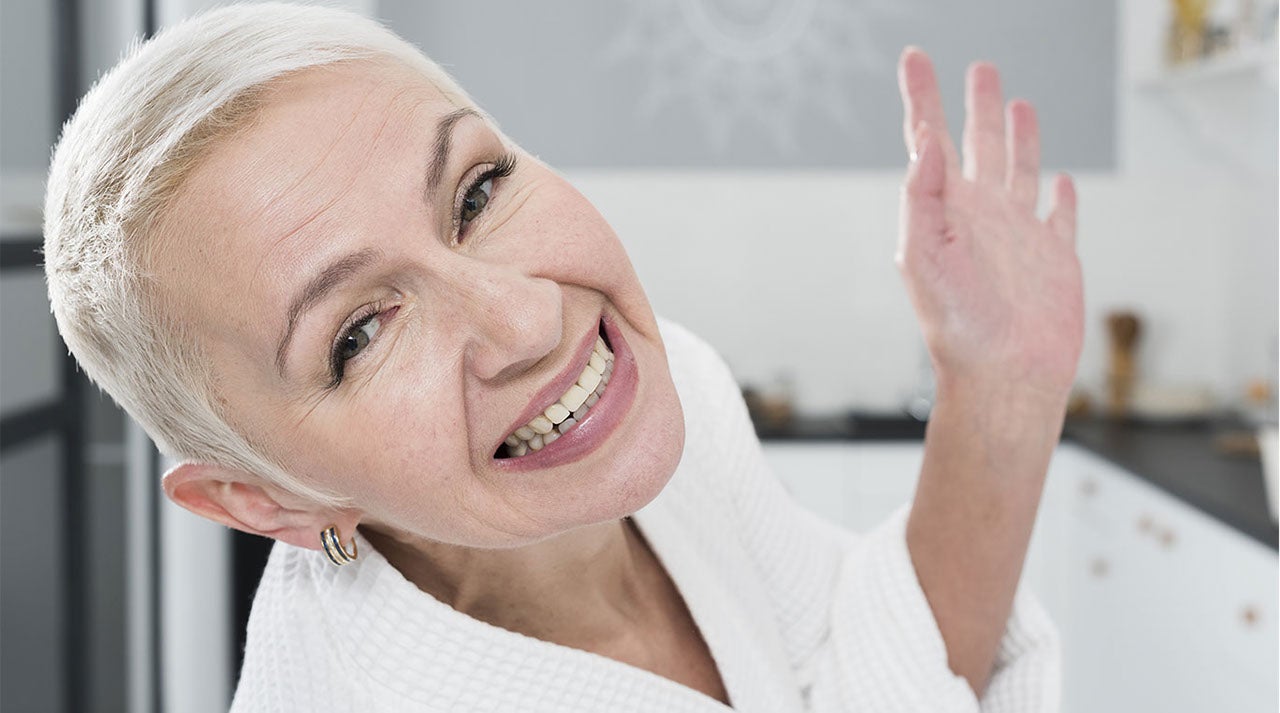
[(1124, 328)]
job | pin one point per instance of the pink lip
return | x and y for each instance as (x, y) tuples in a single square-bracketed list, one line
[(599, 422)]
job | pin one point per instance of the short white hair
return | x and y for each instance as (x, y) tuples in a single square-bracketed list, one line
[(135, 137)]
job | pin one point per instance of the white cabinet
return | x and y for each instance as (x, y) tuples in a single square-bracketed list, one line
[(1169, 609), (1160, 607), (854, 485)]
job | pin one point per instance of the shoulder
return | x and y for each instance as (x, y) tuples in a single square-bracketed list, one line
[(700, 374), (289, 663), (683, 345), (720, 439)]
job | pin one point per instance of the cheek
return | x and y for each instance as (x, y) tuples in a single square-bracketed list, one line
[(411, 440), (575, 245), (395, 451)]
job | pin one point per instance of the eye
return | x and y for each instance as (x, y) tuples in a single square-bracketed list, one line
[(471, 203), (475, 201), (353, 340), (358, 337)]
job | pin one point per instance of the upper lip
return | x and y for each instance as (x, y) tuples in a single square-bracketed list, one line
[(556, 388)]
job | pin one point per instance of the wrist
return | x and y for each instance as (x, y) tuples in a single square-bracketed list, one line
[(1000, 410), (1002, 393)]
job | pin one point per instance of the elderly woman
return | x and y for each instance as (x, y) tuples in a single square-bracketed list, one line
[(370, 326)]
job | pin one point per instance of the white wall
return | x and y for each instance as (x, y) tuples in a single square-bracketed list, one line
[(793, 272)]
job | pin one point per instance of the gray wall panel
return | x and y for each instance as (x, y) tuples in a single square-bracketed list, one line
[(31, 552), (760, 83), (30, 349), (106, 634), (27, 120)]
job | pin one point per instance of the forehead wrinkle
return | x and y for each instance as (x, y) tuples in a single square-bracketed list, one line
[(329, 148), (388, 115)]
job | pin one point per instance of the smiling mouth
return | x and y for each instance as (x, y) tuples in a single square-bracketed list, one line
[(563, 415)]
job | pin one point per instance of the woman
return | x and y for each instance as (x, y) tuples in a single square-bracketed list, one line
[(371, 327)]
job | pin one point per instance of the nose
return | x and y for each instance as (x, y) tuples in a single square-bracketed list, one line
[(513, 319)]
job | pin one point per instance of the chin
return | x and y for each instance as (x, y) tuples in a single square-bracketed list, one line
[(631, 476), (622, 477), (648, 466), (644, 453)]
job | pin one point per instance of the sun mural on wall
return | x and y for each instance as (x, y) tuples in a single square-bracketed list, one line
[(763, 64)]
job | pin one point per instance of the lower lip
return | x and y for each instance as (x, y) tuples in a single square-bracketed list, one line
[(600, 422)]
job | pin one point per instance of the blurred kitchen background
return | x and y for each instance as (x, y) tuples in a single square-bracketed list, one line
[(749, 154)]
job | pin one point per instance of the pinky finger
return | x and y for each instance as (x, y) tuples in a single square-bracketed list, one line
[(1062, 214)]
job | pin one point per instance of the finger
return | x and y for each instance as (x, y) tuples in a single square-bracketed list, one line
[(1062, 216), (921, 102), (1022, 175), (923, 209), (983, 138)]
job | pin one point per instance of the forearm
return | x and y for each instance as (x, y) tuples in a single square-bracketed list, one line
[(987, 451)]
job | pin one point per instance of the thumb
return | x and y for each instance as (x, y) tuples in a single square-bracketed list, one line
[(922, 219)]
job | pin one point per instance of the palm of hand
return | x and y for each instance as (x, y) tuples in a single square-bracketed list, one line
[(998, 292)]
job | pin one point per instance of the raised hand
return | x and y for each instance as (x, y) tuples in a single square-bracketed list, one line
[(998, 295), (997, 291)]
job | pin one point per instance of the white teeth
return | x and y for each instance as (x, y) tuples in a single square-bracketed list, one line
[(571, 408), (574, 397), (556, 412), (541, 424), (589, 380)]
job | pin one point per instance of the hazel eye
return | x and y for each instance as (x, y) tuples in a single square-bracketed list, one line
[(358, 337), (475, 201)]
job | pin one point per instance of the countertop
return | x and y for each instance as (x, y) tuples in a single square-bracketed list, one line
[(1180, 458)]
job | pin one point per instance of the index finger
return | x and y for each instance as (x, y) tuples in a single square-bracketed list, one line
[(921, 101)]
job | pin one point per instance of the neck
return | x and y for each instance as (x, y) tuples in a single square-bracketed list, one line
[(578, 588)]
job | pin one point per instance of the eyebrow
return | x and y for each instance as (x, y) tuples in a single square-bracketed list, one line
[(319, 287), (444, 140), (348, 266)]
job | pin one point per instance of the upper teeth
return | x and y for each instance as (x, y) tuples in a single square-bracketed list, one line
[(565, 413)]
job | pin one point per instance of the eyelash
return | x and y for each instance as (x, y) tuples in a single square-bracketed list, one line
[(504, 167), (337, 365)]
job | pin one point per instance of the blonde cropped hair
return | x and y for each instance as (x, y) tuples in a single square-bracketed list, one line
[(135, 136)]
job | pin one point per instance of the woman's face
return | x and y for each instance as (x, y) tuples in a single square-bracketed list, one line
[(385, 298)]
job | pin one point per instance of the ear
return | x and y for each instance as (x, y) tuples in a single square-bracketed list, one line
[(240, 500)]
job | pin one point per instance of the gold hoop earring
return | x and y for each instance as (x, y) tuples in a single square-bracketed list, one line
[(334, 549)]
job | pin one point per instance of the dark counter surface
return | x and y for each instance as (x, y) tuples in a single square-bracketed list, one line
[(1181, 458)]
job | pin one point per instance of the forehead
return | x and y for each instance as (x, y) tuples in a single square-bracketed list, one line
[(270, 197), (317, 127)]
